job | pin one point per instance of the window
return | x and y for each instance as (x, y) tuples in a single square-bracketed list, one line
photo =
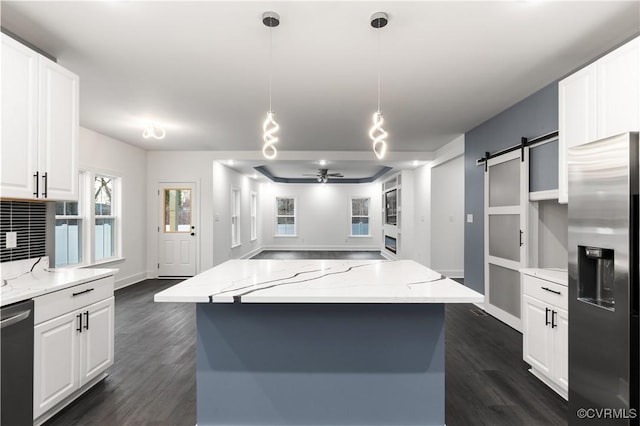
[(235, 217), (87, 231), (105, 219), (177, 210), (285, 216), (254, 216), (360, 217), (68, 235)]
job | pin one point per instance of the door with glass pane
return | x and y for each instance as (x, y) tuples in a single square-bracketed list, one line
[(505, 201), (177, 237)]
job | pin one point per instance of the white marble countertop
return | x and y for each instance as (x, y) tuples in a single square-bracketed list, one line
[(27, 285), (319, 281), (558, 276)]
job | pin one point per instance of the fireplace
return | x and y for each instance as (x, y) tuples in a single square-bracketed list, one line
[(390, 243)]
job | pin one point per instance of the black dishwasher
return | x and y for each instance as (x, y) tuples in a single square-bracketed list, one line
[(16, 359)]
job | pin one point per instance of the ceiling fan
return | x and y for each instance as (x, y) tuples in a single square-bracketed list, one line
[(323, 175)]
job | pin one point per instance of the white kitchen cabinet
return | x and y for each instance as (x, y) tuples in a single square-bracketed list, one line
[(56, 368), (96, 345), (73, 344), (598, 101), (19, 160), (576, 121), (39, 126), (545, 331)]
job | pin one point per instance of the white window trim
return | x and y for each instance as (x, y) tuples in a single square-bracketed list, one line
[(115, 207), (81, 217), (351, 216), (295, 218), (86, 210), (236, 209), (254, 216)]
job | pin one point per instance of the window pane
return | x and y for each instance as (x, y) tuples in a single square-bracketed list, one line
[(68, 242), (177, 210), (105, 238), (286, 226), (286, 206), (60, 208), (359, 226), (103, 190)]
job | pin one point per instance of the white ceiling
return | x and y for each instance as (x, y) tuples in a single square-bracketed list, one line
[(201, 68)]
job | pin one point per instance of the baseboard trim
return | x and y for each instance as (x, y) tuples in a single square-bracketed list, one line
[(130, 280), (252, 253)]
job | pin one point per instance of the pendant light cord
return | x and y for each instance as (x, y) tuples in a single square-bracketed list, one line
[(270, 63), (378, 69)]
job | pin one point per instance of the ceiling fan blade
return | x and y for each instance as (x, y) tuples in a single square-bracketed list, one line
[(335, 174), (310, 174)]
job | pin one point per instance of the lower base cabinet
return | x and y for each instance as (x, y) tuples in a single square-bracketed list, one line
[(71, 350), (545, 332)]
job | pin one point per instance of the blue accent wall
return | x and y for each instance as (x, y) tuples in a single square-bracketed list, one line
[(532, 117), (543, 167)]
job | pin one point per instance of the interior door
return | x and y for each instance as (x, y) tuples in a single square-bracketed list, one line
[(506, 196), (177, 236)]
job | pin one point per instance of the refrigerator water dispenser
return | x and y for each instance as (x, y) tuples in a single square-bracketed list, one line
[(596, 277)]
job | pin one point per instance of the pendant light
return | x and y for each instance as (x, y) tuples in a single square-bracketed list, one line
[(377, 134), (270, 126)]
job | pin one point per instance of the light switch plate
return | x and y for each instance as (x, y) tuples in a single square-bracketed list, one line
[(470, 218), (12, 240)]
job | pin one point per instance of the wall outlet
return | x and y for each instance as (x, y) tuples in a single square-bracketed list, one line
[(217, 218), (469, 218), (12, 240)]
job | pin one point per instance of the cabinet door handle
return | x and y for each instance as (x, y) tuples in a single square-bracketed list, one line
[(546, 316), (86, 320), (45, 184), (551, 291), (79, 316), (36, 176), (521, 238), (553, 319), (82, 292)]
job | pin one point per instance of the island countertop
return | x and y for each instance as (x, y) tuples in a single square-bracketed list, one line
[(319, 281)]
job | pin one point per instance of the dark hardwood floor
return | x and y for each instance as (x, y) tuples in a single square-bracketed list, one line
[(153, 379), (318, 254)]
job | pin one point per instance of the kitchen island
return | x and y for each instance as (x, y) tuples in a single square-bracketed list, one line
[(320, 342)]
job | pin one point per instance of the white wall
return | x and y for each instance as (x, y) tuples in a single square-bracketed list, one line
[(224, 179), (438, 196), (323, 217), (422, 216), (104, 154), (447, 217)]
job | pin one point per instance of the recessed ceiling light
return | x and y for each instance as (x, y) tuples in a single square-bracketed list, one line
[(416, 163), (230, 162), (322, 162)]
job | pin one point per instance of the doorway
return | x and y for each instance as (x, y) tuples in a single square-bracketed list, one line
[(177, 230)]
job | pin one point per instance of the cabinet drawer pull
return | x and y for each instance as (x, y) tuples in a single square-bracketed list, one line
[(45, 184), (79, 316), (551, 291), (36, 176), (86, 320), (546, 316), (82, 292), (553, 319)]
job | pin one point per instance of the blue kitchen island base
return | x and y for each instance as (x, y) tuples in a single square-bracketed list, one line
[(320, 364)]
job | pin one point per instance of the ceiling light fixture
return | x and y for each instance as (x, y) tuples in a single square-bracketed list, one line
[(270, 126), (377, 134), (154, 131)]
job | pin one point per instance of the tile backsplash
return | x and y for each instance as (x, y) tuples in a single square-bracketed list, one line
[(29, 221)]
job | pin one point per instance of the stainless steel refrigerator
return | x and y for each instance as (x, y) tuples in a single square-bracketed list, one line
[(603, 282)]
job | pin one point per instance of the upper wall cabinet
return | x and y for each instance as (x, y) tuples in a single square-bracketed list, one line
[(39, 126), (600, 100)]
